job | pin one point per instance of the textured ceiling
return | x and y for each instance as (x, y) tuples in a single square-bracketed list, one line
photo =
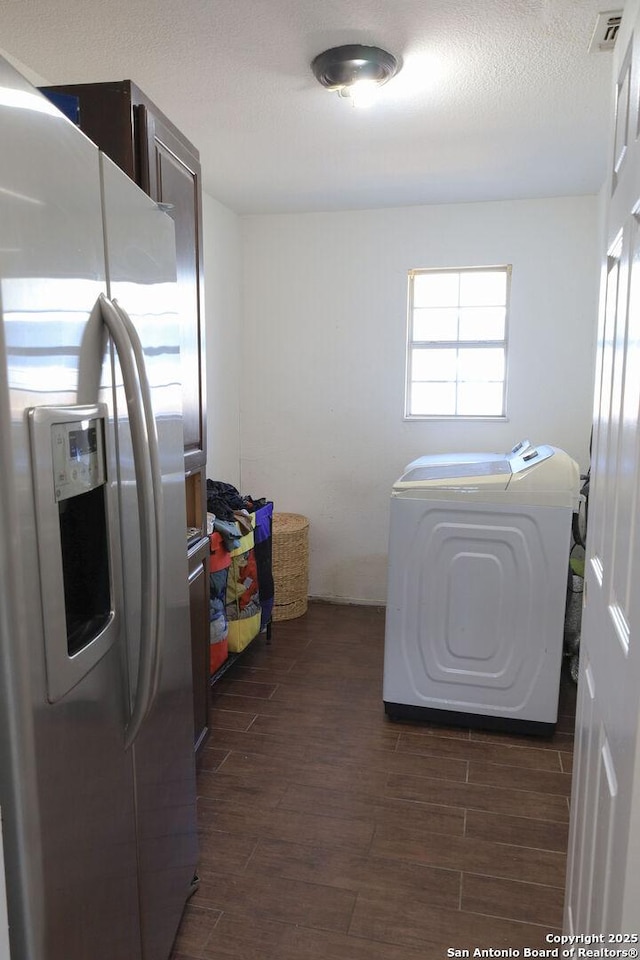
[(496, 99)]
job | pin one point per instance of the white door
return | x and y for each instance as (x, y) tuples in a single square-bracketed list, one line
[(4, 920), (603, 878)]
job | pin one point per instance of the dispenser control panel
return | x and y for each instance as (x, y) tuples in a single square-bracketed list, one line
[(78, 457)]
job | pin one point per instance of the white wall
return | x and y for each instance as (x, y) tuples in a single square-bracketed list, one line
[(223, 297), (323, 358)]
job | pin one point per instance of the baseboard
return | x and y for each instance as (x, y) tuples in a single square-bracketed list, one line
[(349, 601)]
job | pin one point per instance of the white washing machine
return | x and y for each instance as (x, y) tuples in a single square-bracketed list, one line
[(478, 558)]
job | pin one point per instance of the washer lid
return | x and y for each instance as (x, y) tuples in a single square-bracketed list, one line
[(442, 466), (429, 469), (527, 474)]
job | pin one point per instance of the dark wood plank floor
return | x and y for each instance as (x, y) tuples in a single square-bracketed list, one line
[(330, 833)]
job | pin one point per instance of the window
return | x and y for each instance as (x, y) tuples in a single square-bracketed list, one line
[(457, 342)]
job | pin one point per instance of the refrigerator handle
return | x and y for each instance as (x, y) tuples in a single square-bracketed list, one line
[(156, 479), (149, 547)]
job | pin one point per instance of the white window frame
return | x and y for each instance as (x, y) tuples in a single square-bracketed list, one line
[(411, 343)]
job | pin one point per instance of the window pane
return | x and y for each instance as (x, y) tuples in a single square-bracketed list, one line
[(482, 323), (433, 364), (433, 399), (480, 399), (481, 364), (436, 323), (457, 342), (435, 289), (479, 288)]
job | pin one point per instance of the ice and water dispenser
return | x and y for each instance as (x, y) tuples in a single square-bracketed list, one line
[(79, 478), (74, 518)]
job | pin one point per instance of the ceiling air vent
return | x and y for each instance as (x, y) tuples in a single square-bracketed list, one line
[(606, 31)]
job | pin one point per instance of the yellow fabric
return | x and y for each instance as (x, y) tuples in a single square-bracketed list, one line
[(246, 542), (235, 586), (242, 632)]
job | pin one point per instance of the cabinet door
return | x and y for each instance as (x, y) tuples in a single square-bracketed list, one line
[(199, 608), (174, 179)]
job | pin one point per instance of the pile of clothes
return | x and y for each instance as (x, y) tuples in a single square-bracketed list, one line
[(240, 578)]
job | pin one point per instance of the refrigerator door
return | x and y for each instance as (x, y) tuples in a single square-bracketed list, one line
[(66, 781), (141, 260)]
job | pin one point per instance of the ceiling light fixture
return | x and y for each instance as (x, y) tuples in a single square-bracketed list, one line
[(355, 71)]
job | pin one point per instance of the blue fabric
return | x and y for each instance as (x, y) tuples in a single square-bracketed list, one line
[(267, 609), (229, 531), (263, 522)]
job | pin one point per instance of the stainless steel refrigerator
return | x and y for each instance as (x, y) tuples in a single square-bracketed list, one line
[(97, 783)]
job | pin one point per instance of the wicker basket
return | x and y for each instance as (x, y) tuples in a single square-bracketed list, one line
[(290, 565)]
